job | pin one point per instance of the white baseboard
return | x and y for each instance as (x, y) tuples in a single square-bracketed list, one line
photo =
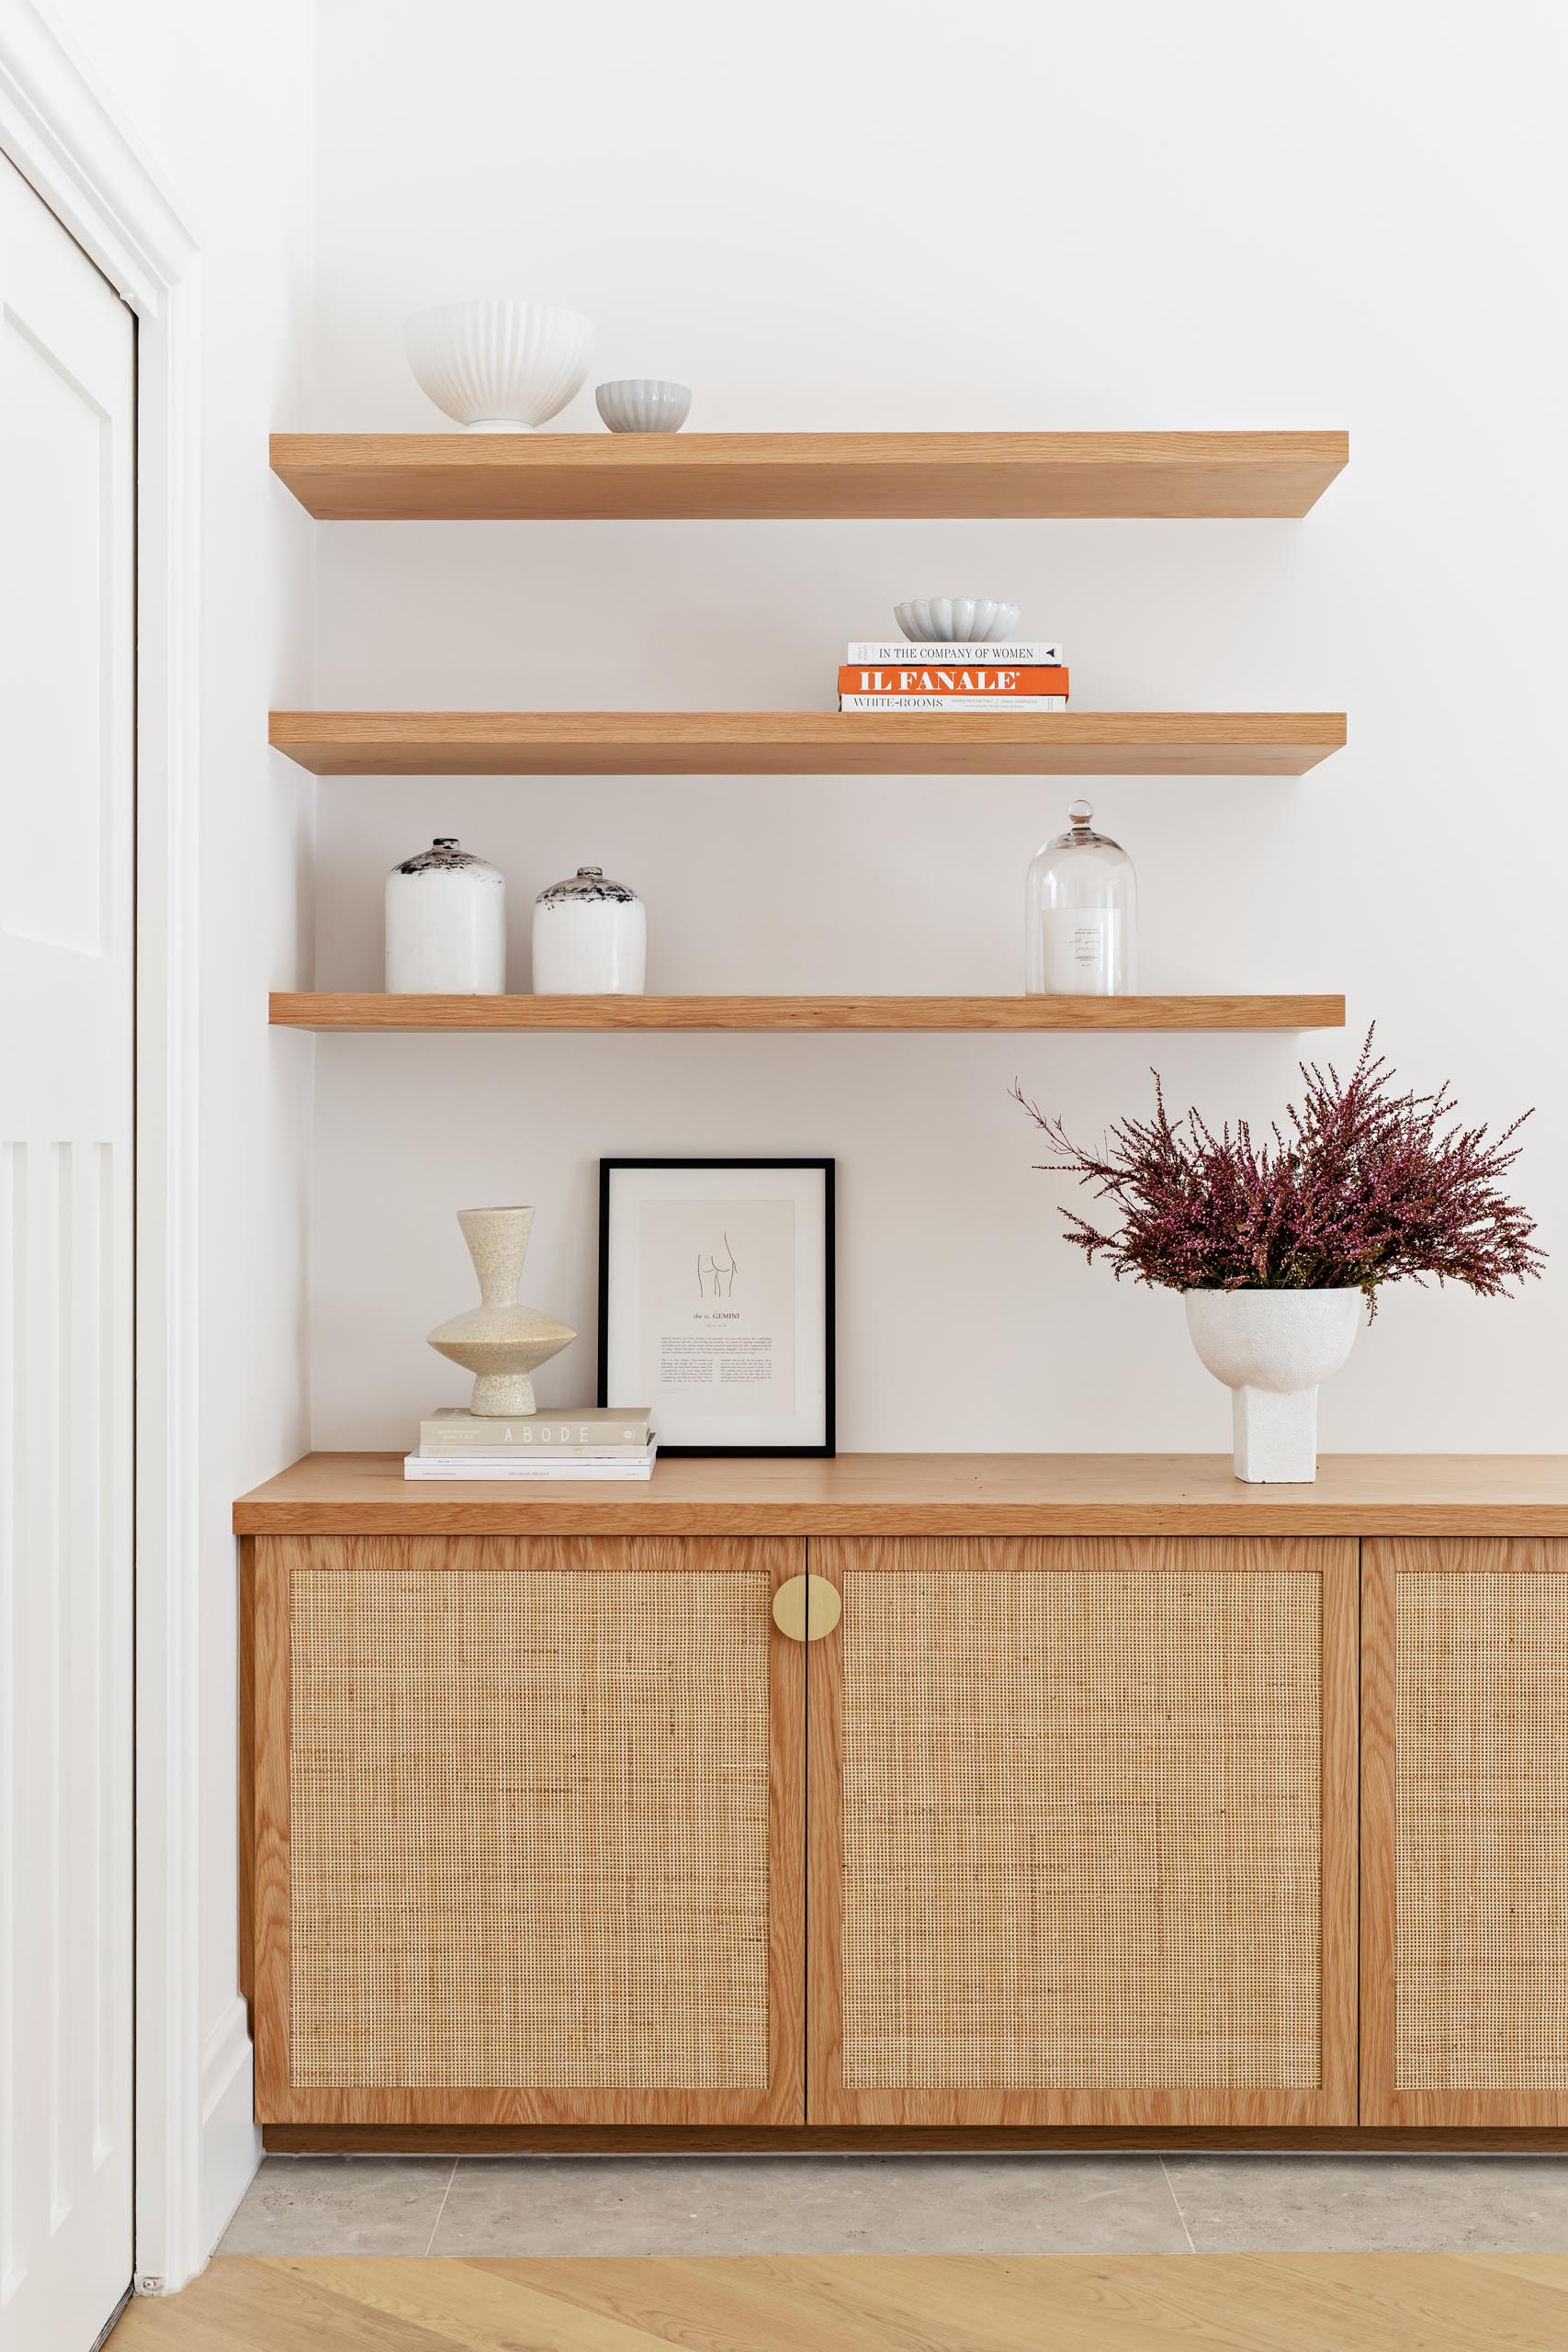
[(230, 2141)]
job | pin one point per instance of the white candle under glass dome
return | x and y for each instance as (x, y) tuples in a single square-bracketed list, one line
[(1082, 914)]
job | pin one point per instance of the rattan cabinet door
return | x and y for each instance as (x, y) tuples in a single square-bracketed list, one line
[(1464, 1824), (528, 1832), (1082, 1833)]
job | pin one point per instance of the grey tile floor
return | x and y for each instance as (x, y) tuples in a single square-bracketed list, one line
[(904, 2204)]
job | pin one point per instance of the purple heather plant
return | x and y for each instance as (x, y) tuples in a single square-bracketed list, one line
[(1361, 1186)]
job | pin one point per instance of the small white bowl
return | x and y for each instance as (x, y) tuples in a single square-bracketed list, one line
[(500, 367), (643, 405), (955, 620)]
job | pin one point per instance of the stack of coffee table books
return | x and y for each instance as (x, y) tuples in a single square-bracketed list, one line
[(585, 1441)]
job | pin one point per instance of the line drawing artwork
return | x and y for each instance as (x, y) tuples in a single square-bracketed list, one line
[(722, 1277)]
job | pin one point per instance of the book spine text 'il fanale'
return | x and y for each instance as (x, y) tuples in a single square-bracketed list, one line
[(966, 682)]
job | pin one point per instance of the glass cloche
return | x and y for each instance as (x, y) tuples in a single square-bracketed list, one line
[(1081, 914)]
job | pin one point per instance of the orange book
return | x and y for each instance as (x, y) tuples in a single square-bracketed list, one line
[(965, 681)]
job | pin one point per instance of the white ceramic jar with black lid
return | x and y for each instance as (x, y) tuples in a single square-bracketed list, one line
[(589, 938), (446, 924)]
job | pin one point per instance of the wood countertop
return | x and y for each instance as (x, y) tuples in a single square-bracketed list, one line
[(932, 1494)]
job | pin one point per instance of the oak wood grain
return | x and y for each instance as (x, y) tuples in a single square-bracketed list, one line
[(934, 1494), (1339, 1565), (1383, 2101), (1333, 2102), (274, 1564), (1295, 2303), (279, 2099), (1377, 1966), (429, 476), (774, 742), (474, 2139), (247, 1774), (371, 1011)]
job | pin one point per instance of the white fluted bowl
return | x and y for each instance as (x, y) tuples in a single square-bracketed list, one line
[(499, 367), (643, 405), (955, 620)]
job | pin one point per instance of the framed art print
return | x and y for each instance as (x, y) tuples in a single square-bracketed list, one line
[(715, 1301)]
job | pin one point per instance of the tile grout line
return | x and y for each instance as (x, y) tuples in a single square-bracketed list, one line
[(442, 2207), (1170, 2184)]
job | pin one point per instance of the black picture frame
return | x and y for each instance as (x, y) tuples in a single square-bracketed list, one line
[(827, 1168)]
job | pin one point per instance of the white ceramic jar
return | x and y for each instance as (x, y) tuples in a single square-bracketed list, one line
[(446, 924), (589, 938)]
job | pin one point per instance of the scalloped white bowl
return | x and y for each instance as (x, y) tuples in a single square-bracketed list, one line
[(643, 405), (499, 367), (955, 620)]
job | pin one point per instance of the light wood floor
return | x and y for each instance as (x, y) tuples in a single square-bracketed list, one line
[(1252, 2302)]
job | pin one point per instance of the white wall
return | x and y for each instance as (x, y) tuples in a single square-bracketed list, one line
[(222, 110), (1065, 216)]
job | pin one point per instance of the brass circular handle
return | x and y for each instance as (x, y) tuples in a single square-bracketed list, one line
[(806, 1608)]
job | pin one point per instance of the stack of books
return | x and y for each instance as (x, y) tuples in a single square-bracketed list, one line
[(586, 1441), (1025, 674)]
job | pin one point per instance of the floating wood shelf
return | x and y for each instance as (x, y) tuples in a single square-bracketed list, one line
[(790, 743), (371, 1011), (754, 477)]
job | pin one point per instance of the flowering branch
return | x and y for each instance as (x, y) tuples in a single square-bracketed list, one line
[(1361, 1187)]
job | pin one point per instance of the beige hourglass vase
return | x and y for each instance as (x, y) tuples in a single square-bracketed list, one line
[(499, 1341)]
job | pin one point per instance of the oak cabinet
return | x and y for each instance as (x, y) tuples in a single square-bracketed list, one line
[(1033, 1831), (528, 1833), (1464, 1987), (1082, 1833)]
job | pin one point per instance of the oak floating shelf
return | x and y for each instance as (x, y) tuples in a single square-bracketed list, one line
[(788, 742), (371, 1011), (762, 477)]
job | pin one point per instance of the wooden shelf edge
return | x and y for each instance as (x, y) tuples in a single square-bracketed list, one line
[(725, 743), (327, 1494), (799, 1015), (761, 476)]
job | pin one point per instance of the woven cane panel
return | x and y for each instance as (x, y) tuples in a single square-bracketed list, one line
[(1081, 1830), (528, 1829), (1482, 1848)]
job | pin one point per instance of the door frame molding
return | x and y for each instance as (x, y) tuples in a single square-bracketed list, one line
[(65, 140)]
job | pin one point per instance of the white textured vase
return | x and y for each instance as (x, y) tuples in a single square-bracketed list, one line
[(499, 367), (1271, 1347), (643, 405), (446, 924), (589, 938), (499, 1341)]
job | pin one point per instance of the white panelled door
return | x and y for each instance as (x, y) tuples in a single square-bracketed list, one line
[(67, 951)]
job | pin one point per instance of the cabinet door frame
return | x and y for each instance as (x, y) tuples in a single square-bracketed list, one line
[(1382, 2102), (1333, 2102), (266, 1672)]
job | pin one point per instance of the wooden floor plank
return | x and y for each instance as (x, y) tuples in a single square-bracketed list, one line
[(168, 2323), (760, 2302), (266, 2304), (1302, 2302), (1546, 2270), (481, 2306)]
